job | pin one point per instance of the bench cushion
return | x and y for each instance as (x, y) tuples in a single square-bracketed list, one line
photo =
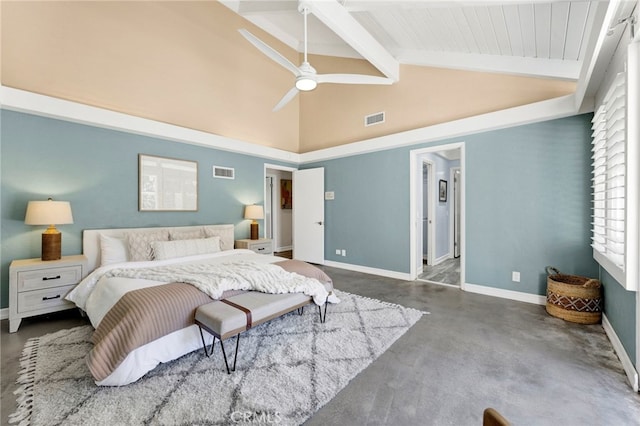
[(225, 321)]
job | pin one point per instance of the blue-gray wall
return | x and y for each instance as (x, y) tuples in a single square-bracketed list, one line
[(528, 205), (97, 171), (527, 199)]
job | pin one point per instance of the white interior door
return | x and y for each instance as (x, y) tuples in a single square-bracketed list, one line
[(308, 215)]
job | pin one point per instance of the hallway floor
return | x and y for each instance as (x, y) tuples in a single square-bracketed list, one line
[(447, 272)]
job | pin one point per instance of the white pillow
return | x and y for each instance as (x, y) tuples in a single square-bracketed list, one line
[(180, 248), (140, 243), (112, 250)]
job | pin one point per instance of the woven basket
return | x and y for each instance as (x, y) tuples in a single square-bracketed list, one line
[(574, 298)]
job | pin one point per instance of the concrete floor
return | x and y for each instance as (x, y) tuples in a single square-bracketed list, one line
[(469, 353)]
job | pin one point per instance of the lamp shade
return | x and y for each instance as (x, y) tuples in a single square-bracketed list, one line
[(253, 212), (48, 213)]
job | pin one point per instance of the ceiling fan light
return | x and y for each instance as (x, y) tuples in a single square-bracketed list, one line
[(305, 84)]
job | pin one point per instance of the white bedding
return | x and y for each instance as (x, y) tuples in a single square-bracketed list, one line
[(96, 295)]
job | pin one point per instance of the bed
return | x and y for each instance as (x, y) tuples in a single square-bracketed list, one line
[(137, 276)]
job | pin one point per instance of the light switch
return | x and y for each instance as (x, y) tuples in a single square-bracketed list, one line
[(329, 195)]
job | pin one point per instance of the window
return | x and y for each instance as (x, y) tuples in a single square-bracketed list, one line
[(614, 180)]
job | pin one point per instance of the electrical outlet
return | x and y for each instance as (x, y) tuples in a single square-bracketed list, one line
[(344, 252), (515, 276), (338, 252)]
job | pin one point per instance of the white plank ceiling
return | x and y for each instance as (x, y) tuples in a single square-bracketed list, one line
[(535, 38)]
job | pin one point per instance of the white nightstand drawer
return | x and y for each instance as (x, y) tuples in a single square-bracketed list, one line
[(50, 277), (43, 299), (264, 248)]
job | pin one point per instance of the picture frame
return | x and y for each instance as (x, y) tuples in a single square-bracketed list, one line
[(286, 200), (442, 190), (167, 184)]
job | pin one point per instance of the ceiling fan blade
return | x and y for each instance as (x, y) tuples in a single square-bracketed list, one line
[(285, 99), (269, 51), (352, 79)]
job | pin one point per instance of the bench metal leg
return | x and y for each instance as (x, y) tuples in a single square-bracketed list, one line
[(204, 345), (323, 316), (301, 310), (235, 358), (224, 354)]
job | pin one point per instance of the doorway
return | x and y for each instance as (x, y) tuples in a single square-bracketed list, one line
[(278, 221), (437, 209)]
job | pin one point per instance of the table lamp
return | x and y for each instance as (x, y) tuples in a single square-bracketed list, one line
[(254, 212), (50, 213)]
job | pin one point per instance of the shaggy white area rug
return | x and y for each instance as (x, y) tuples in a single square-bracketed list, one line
[(287, 369)]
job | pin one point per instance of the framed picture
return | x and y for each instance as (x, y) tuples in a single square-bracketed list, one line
[(285, 193), (442, 190), (167, 184)]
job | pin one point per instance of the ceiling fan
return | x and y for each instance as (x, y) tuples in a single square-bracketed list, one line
[(306, 76)]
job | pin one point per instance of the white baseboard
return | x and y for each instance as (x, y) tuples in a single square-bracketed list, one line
[(368, 270), (505, 294), (4, 313), (285, 248), (441, 259), (627, 364)]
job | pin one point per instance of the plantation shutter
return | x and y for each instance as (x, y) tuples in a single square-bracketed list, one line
[(609, 171)]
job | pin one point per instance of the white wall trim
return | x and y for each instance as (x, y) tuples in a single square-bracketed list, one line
[(442, 259), (47, 106), (505, 294), (415, 183), (526, 114), (369, 270), (4, 313), (627, 364)]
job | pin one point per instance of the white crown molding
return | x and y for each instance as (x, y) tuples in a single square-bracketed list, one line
[(47, 106), (526, 114)]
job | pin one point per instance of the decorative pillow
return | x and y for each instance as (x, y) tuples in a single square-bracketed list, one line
[(186, 235), (225, 235), (140, 243), (180, 248), (112, 250)]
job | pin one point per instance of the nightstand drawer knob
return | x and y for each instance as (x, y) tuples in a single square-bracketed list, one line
[(51, 298), (260, 248), (57, 277)]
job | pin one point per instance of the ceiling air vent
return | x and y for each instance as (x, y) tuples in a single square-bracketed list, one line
[(224, 172), (372, 119)]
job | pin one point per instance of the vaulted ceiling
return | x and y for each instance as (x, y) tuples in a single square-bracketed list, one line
[(533, 38)]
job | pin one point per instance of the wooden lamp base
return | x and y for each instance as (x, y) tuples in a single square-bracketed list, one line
[(51, 245), (254, 230)]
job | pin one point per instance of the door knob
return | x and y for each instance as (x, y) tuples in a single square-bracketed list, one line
[(319, 223)]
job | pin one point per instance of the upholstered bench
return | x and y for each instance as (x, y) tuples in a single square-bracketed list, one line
[(231, 316)]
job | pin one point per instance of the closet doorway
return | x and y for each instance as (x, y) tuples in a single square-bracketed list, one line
[(278, 218), (437, 209)]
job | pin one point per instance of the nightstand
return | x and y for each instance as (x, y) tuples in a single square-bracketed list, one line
[(260, 246), (39, 286)]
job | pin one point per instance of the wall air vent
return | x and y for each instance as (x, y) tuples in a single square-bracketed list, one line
[(224, 172), (372, 119)]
